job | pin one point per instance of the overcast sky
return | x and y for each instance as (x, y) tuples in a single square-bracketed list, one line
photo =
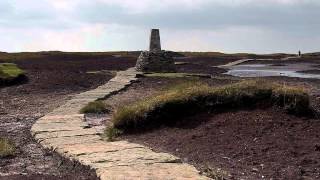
[(259, 26)]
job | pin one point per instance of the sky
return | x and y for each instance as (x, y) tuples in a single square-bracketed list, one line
[(231, 26)]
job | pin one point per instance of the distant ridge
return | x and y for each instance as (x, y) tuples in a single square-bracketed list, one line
[(313, 54)]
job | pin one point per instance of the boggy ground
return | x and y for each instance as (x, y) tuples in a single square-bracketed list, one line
[(252, 144), (247, 143), (51, 81), (202, 65)]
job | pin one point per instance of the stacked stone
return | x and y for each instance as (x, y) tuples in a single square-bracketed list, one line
[(155, 60), (155, 43)]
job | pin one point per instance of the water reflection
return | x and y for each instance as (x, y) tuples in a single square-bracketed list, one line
[(264, 70)]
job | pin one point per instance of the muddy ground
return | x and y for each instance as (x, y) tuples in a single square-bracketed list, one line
[(247, 144), (202, 65), (51, 82), (280, 62), (52, 79)]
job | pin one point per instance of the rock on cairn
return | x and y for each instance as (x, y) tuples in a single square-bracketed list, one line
[(155, 60)]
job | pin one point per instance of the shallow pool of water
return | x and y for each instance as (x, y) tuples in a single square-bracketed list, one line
[(265, 70)]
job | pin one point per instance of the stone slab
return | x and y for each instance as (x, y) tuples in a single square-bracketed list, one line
[(65, 131)]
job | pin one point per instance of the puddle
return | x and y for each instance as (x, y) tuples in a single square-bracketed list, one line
[(265, 70)]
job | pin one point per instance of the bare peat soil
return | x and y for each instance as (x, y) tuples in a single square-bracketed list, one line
[(51, 82), (247, 144), (203, 65), (253, 144), (279, 62)]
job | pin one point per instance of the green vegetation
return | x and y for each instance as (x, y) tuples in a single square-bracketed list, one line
[(190, 98), (6, 148), (9, 71), (97, 107)]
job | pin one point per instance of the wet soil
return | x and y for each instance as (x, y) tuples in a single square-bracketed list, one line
[(311, 71), (253, 144), (279, 62), (246, 144), (51, 82), (203, 65), (21, 79)]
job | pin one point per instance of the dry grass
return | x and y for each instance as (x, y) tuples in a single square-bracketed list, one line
[(6, 148), (190, 98), (112, 133), (216, 173), (97, 107)]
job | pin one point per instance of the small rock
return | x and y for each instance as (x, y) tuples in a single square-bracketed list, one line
[(255, 170)]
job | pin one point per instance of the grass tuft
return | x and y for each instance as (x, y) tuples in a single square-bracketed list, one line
[(6, 148), (190, 98), (97, 107), (216, 173), (112, 133), (293, 99)]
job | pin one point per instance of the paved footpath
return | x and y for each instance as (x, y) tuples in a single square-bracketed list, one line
[(235, 63), (65, 131)]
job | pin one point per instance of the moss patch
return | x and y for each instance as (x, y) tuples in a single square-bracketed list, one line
[(6, 148), (9, 71), (10, 74), (190, 98)]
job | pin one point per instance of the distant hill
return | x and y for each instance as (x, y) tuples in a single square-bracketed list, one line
[(235, 55), (4, 56), (312, 54), (66, 55)]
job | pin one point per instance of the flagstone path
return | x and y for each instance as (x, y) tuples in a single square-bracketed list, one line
[(235, 63), (65, 131)]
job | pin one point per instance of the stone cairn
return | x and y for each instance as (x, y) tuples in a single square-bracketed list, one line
[(155, 60)]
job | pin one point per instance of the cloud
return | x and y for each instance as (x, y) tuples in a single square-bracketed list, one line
[(45, 39), (238, 39), (209, 15), (208, 25)]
